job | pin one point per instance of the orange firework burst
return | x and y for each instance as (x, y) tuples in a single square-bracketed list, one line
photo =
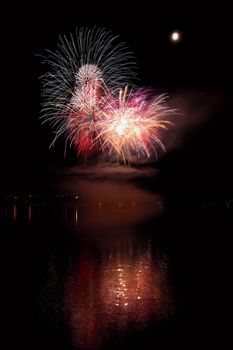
[(132, 123)]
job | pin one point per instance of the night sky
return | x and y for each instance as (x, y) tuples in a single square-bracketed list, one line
[(198, 70)]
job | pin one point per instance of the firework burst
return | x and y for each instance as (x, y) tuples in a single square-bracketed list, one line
[(86, 98), (132, 124), (82, 70)]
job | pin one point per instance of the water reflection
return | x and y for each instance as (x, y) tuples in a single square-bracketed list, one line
[(76, 216), (133, 286), (98, 278), (91, 217), (29, 213), (14, 213), (123, 287)]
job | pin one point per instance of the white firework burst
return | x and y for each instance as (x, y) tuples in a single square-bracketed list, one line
[(89, 58)]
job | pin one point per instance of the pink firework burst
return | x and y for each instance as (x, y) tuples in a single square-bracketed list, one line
[(132, 123)]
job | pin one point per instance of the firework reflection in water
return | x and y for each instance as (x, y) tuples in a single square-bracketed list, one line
[(126, 287)]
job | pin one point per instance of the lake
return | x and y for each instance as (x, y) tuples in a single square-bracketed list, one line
[(133, 269)]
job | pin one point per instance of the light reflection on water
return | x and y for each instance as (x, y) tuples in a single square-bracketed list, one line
[(89, 217), (104, 290), (123, 287), (114, 274)]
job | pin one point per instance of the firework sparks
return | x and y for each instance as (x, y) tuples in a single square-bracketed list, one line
[(132, 124), (88, 101), (82, 69), (84, 116)]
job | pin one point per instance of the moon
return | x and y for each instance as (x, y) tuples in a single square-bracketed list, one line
[(175, 36)]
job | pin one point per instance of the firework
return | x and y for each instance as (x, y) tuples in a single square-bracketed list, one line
[(132, 124), (87, 99), (83, 117), (82, 70)]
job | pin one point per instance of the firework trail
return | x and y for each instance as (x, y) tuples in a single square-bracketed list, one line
[(86, 98)]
